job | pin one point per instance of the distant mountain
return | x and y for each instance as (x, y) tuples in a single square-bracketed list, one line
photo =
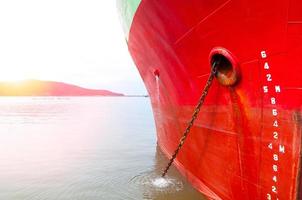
[(49, 88)]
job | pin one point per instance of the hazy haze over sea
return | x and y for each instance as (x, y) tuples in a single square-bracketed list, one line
[(101, 148)]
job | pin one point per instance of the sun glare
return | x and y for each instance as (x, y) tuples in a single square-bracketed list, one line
[(82, 44)]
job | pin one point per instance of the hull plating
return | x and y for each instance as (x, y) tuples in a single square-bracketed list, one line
[(246, 143)]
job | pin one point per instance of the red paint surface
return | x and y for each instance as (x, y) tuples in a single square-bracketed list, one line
[(228, 153)]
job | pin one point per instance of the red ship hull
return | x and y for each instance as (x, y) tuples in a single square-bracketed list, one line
[(246, 142)]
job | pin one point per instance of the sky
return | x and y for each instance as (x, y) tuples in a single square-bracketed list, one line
[(74, 41)]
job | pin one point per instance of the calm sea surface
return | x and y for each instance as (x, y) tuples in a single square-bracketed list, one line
[(90, 148)]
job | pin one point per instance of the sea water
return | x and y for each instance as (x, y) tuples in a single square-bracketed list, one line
[(67, 148)]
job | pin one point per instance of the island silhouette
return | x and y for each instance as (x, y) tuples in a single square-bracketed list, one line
[(49, 88)]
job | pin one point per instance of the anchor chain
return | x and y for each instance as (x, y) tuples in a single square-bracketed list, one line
[(194, 116)]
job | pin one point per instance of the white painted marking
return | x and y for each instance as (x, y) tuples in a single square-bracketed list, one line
[(277, 89), (265, 89), (281, 148), (275, 179), (266, 65), (275, 124), (268, 197), (275, 157), (275, 168), (275, 133), (274, 112), (273, 101), (274, 189), (263, 54)]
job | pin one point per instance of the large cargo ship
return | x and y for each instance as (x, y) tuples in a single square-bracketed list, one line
[(246, 141)]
